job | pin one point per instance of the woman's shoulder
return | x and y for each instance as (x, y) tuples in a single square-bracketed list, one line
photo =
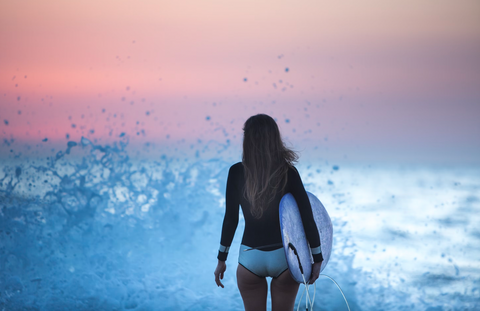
[(293, 173), (236, 168), (235, 172), (292, 169), (237, 165)]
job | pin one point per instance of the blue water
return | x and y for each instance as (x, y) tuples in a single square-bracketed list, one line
[(95, 228)]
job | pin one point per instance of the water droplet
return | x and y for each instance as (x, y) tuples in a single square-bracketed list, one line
[(85, 141)]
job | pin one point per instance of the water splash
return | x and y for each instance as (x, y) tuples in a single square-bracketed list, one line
[(91, 228)]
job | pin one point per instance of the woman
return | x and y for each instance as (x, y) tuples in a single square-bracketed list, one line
[(258, 183)]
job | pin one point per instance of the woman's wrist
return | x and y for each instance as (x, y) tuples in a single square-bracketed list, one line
[(317, 257)]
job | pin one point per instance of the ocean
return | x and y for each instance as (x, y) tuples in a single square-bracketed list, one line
[(94, 227)]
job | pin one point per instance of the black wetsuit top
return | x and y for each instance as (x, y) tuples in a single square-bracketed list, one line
[(264, 233)]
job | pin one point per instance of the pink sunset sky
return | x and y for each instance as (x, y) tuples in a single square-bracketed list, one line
[(355, 79)]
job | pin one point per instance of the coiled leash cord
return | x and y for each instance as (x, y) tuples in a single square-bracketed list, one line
[(310, 302)]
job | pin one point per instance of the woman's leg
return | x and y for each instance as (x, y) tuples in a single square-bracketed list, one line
[(284, 291), (253, 289)]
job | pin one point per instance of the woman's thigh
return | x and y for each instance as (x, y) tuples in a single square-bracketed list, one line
[(284, 291), (253, 289)]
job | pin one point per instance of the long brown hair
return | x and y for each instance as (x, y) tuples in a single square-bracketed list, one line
[(266, 160)]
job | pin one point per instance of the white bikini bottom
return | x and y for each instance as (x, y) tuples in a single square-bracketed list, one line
[(263, 263)]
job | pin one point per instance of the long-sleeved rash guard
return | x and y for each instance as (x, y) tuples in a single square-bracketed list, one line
[(264, 233)]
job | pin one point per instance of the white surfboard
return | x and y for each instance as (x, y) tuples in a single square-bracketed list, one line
[(293, 233)]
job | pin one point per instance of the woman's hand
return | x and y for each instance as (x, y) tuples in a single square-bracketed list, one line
[(219, 271), (315, 272)]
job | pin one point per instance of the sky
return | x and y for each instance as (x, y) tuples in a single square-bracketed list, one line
[(356, 80)]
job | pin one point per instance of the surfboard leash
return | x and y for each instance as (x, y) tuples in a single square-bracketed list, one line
[(312, 301), (341, 291), (307, 298)]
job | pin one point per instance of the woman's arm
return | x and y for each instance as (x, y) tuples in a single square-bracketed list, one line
[(219, 271), (230, 221), (298, 191)]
